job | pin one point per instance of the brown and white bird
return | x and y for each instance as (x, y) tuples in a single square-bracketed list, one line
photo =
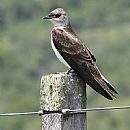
[(72, 52)]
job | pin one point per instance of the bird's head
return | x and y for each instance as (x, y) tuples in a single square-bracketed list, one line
[(58, 17)]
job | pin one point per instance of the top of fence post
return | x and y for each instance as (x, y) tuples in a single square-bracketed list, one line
[(63, 91)]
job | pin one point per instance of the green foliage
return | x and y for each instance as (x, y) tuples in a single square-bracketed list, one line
[(26, 55)]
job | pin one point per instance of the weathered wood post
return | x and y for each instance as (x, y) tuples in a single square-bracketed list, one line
[(63, 91)]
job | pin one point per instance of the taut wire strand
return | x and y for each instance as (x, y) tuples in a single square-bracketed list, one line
[(65, 111), (78, 111)]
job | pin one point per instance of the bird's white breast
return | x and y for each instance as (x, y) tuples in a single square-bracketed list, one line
[(58, 54)]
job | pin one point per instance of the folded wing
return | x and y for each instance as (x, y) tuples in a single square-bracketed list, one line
[(81, 60)]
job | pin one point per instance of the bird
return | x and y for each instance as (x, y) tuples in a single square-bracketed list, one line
[(73, 53)]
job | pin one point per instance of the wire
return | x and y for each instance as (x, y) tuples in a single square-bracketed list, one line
[(78, 111), (40, 112), (22, 113), (65, 111)]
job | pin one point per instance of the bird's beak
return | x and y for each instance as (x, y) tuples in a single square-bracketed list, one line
[(46, 17)]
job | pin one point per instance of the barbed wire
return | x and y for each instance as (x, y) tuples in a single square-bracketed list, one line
[(65, 111)]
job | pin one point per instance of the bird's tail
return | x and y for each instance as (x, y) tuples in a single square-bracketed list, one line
[(101, 85), (92, 76), (110, 92)]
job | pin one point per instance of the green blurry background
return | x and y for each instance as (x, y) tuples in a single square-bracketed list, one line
[(26, 55)]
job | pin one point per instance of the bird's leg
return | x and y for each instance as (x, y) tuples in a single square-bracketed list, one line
[(70, 71)]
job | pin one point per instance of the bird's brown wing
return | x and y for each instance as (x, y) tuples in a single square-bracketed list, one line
[(81, 60), (67, 42)]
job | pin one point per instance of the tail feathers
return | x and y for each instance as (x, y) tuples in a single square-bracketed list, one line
[(104, 87), (107, 88), (92, 76), (110, 86)]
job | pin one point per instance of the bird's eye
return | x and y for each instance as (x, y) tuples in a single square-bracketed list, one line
[(57, 15), (51, 15)]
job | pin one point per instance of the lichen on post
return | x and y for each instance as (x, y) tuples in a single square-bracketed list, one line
[(63, 91)]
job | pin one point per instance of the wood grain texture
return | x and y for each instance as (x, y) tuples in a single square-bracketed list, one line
[(63, 91)]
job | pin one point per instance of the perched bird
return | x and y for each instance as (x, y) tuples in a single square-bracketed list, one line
[(72, 52)]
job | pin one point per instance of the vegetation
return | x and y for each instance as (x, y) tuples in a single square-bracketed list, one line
[(26, 55)]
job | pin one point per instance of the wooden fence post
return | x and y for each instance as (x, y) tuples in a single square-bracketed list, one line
[(63, 91)]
